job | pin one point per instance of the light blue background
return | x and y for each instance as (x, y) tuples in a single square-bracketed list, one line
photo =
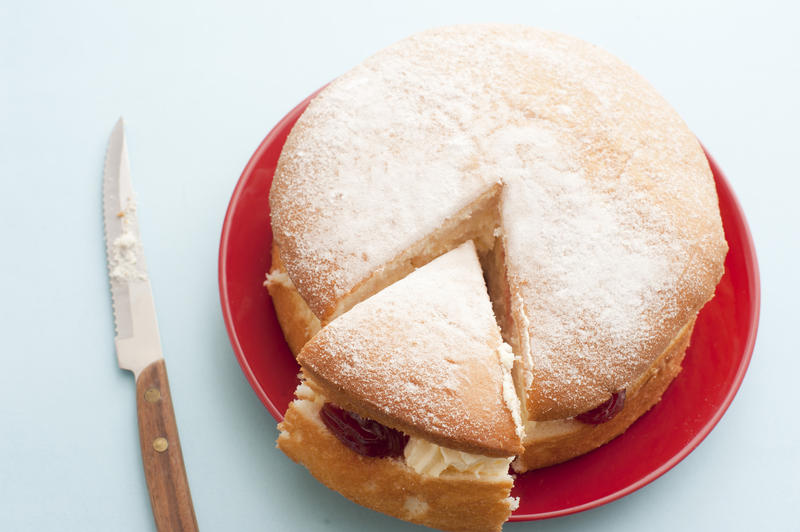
[(200, 85)]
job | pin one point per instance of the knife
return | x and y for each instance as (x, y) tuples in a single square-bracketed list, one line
[(139, 345)]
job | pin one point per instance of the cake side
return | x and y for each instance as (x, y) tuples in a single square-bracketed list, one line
[(454, 501), (297, 321)]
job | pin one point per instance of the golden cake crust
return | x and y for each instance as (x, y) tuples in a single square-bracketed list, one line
[(297, 321)]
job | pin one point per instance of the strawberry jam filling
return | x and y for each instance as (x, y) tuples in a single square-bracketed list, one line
[(605, 411), (364, 436)]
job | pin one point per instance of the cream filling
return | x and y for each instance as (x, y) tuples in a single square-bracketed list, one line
[(523, 375), (510, 395), (422, 456), (305, 392), (278, 277), (540, 430), (433, 460)]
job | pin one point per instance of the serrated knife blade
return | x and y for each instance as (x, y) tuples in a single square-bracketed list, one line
[(138, 344), (137, 340)]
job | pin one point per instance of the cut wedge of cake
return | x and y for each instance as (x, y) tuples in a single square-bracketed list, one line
[(407, 404)]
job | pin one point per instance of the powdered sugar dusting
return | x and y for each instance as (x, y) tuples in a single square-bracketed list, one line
[(387, 150), (603, 276), (609, 220)]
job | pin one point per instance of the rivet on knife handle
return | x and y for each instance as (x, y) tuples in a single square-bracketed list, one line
[(161, 452)]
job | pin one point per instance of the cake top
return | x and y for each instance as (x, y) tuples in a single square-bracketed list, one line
[(424, 356), (608, 215)]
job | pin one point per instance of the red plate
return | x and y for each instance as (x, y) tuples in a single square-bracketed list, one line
[(713, 369)]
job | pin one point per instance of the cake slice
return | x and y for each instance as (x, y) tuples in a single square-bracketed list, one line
[(407, 404)]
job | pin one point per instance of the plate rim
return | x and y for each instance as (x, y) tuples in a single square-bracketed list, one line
[(222, 268), (753, 284)]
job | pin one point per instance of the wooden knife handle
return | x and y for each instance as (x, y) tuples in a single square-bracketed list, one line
[(161, 452)]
